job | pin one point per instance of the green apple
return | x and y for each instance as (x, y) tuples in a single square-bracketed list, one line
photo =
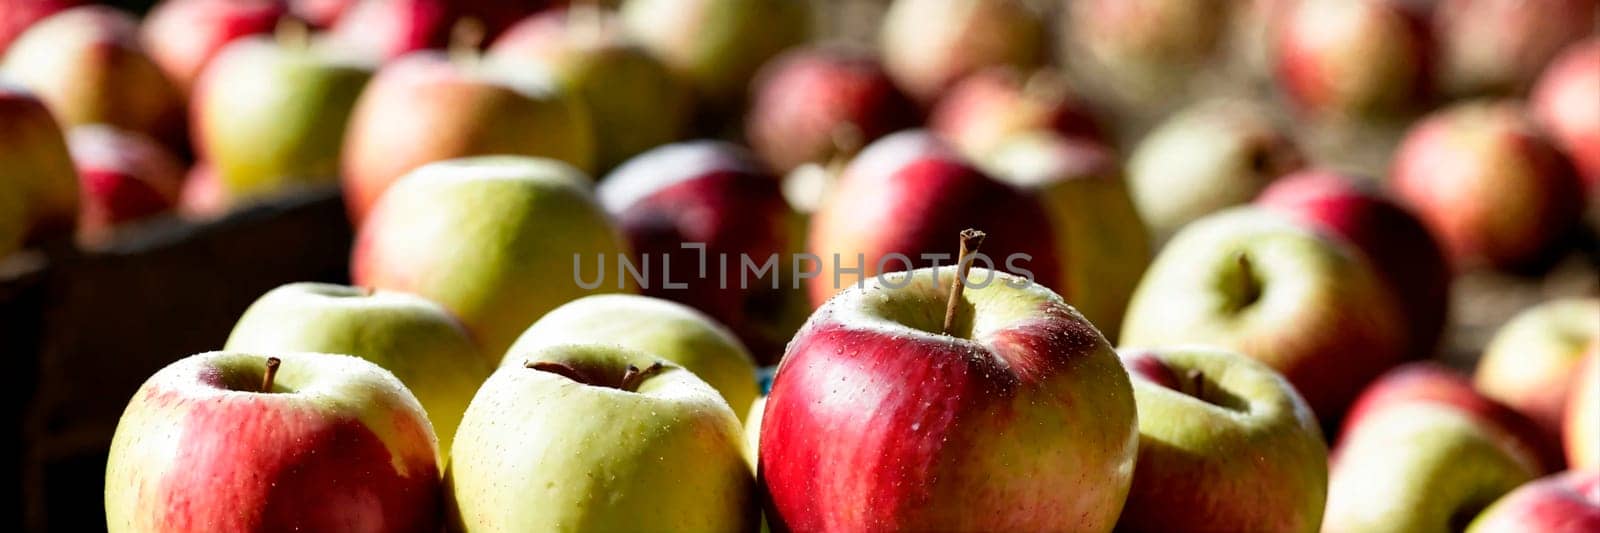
[(269, 115), (1225, 443), (598, 438), (412, 337), (672, 331), (36, 169), (497, 240), (717, 45), (1531, 362)]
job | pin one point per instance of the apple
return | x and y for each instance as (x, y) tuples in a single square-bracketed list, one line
[(17, 17), (320, 14), (1213, 155), (1144, 47), (816, 104), (676, 333), (475, 235), (87, 65), (34, 159), (1563, 503), (634, 101), (183, 35), (1492, 189), (706, 221), (1581, 430), (717, 45), (1499, 46), (609, 439), (202, 196), (410, 336), (1408, 259), (429, 106), (1362, 60), (982, 110), (124, 176), (1011, 414), (1225, 443), (232, 441), (1259, 283), (1532, 361), (752, 430), (1561, 103), (928, 45), (388, 29), (270, 115)]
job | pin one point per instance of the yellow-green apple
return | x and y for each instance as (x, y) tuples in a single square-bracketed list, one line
[(1489, 185), (817, 104), (124, 176), (17, 17), (1213, 155), (270, 115), (1144, 47), (1260, 283), (388, 29), (1581, 431), (717, 45), (1531, 362), (497, 240), (1092, 219), (87, 65), (183, 35), (635, 103), (752, 430), (35, 162), (410, 336), (233, 441), (608, 438), (982, 110), (1018, 416), (1561, 103), (1406, 256), (897, 204), (1568, 502), (1499, 46), (709, 228), (1362, 60), (1201, 410), (928, 45), (429, 106), (676, 333)]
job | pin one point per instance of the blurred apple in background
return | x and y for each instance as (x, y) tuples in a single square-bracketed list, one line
[(635, 103), (16, 17), (1581, 430), (1499, 46), (123, 177), (1563, 503), (429, 106), (717, 45), (320, 14), (475, 235), (1531, 363), (388, 29), (270, 115), (739, 267), (333, 443), (1144, 50), (1488, 185), (202, 196), (1225, 443), (674, 332), (928, 45), (1258, 282), (34, 159), (1361, 60), (412, 337), (1018, 418), (984, 109), (1408, 260), (1563, 104), (819, 104), (183, 35), (610, 439), (1213, 155)]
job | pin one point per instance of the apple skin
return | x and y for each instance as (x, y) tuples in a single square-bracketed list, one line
[(1561, 103), (1213, 155), (752, 430), (1563, 503), (473, 235), (928, 45), (1259, 283), (124, 176), (1225, 443), (1367, 60), (981, 111), (87, 65), (816, 104), (634, 101), (181, 36), (34, 159), (1145, 46), (17, 17), (672, 331), (339, 445), (1499, 46), (423, 108), (384, 30), (717, 45), (202, 196), (320, 14), (1581, 431), (666, 456), (1022, 421), (1410, 261), (910, 193), (1532, 361), (410, 336), (714, 194), (1493, 190)]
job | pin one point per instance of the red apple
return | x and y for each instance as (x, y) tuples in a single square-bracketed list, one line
[(1581, 430), (183, 35), (1407, 258), (388, 29), (1563, 103), (1488, 185), (124, 177), (1563, 503), (34, 160), (1532, 361), (1353, 59), (320, 13), (984, 109), (1499, 46), (930, 44), (817, 104), (17, 16)]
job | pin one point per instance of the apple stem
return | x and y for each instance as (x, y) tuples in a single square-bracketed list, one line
[(560, 369), (1248, 291), (291, 33), (1197, 382), (271, 374), (633, 377), (465, 37), (971, 239)]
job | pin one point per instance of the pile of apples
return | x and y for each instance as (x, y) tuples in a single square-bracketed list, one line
[(575, 227)]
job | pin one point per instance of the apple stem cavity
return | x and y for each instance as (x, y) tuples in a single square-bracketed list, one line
[(971, 239), (560, 369), (1247, 289), (1197, 384), (271, 374), (632, 377), (465, 37)]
